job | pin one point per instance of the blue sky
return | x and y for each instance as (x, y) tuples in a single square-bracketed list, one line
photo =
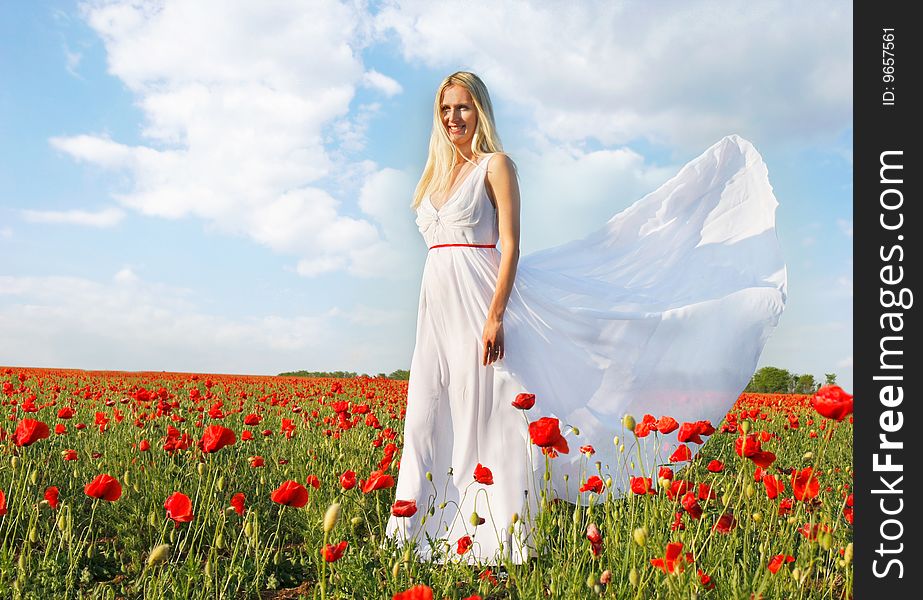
[(224, 187)]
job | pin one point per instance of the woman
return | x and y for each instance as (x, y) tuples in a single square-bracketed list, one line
[(662, 311)]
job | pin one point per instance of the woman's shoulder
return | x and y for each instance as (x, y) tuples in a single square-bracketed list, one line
[(499, 163)]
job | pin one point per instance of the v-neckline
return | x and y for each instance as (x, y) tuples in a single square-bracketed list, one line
[(459, 187)]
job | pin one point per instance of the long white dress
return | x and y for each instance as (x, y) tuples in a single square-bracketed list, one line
[(664, 311)]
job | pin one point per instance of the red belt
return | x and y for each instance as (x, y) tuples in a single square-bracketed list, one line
[(471, 245)]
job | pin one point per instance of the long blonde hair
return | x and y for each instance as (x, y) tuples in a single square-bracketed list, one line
[(442, 152)]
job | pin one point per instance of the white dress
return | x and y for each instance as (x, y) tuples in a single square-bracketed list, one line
[(664, 311)]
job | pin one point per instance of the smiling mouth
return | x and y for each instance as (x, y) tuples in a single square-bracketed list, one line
[(459, 129)]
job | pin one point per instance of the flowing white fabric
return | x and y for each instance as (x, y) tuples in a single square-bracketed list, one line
[(663, 311)]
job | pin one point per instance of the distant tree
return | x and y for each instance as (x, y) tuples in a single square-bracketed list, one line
[(829, 378), (771, 380), (400, 374), (804, 384)]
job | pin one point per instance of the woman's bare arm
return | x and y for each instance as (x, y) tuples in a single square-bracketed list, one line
[(501, 180)]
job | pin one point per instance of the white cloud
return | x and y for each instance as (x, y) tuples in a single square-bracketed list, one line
[(6, 233), (678, 74), (246, 120), (382, 83), (132, 324), (846, 363), (106, 217)]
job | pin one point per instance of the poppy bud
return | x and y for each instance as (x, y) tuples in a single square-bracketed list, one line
[(33, 477), (622, 448), (757, 517), (628, 422), (606, 577), (396, 569), (608, 483), (566, 477), (615, 441), (749, 490), (14, 462), (633, 577), (591, 580), (640, 535), (220, 484), (219, 541), (745, 426), (200, 468), (515, 517), (442, 505), (160, 554), (475, 519), (208, 572), (796, 573), (664, 483), (547, 475), (575, 430), (331, 516), (807, 456), (848, 553), (429, 475), (826, 541)]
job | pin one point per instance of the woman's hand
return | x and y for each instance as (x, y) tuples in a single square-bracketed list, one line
[(493, 342)]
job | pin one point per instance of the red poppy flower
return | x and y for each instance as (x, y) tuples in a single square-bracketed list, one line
[(404, 508), (348, 480), (805, 484), (179, 507), (246, 435), (595, 536), (313, 481), (2, 503), (667, 425), (290, 493), (772, 484), (641, 485), (778, 560), (786, 506), (334, 553), (66, 413), (378, 480), (707, 583), (546, 433), (464, 544), (587, 450), (30, 431), (691, 504), (673, 560), (832, 402), (594, 484), (237, 501), (417, 592), (725, 524), (665, 473), (715, 466), (256, 461), (483, 475), (646, 426), (104, 487), (144, 446), (677, 522), (810, 531), (681, 454), (51, 495), (252, 419), (60, 429), (706, 493), (69, 454), (215, 438), (524, 401), (689, 432)]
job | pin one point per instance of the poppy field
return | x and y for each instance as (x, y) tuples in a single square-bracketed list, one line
[(177, 485)]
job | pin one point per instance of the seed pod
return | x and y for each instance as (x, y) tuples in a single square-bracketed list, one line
[(745, 426)]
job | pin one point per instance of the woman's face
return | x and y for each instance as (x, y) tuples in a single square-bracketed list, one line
[(459, 117)]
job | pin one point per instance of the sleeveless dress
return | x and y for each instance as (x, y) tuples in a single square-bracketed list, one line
[(664, 311)]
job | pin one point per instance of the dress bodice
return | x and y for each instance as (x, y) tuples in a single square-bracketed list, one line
[(467, 217)]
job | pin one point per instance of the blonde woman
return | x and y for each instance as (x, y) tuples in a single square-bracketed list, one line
[(664, 310)]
